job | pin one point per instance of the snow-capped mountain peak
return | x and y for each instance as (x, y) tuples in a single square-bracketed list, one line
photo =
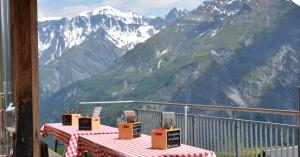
[(124, 29), (127, 17)]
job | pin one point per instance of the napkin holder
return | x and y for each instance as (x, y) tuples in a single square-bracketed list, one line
[(70, 119), (164, 139), (89, 123), (129, 130)]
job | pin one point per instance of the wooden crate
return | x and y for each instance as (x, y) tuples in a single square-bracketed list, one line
[(70, 119), (89, 123), (164, 139), (129, 130)]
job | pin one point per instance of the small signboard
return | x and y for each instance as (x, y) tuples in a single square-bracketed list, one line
[(89, 123), (173, 138), (67, 119), (168, 120), (70, 119), (137, 130), (85, 124)]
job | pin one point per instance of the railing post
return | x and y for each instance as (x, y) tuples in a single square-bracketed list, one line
[(298, 142), (193, 126), (55, 146), (186, 109), (136, 111), (237, 138)]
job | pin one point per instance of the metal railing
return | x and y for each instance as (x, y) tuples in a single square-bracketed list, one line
[(231, 137), (226, 136)]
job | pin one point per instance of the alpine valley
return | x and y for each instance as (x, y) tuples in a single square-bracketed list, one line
[(225, 52)]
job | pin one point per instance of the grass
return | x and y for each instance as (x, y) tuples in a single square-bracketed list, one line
[(61, 151)]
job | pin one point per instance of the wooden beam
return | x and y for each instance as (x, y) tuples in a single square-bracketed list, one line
[(25, 81)]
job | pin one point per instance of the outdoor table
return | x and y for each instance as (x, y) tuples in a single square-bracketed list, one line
[(110, 146), (69, 134)]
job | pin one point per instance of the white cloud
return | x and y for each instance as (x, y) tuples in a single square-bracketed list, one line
[(144, 7), (67, 11), (147, 7), (43, 17)]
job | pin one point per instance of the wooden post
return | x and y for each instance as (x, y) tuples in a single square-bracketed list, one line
[(25, 81)]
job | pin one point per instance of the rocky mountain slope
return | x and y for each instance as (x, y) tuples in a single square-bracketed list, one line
[(80, 47), (229, 52)]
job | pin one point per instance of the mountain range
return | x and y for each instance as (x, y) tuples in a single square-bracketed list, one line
[(80, 47), (229, 52)]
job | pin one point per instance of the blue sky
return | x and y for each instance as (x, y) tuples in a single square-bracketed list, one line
[(69, 8)]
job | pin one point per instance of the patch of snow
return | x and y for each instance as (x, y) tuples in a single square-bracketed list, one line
[(234, 94), (73, 35), (233, 12), (42, 46), (79, 75), (214, 32), (231, 1), (50, 60), (161, 53), (214, 53), (130, 38), (145, 31), (158, 66)]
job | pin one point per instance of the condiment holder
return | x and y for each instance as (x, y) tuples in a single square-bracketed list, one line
[(167, 136)]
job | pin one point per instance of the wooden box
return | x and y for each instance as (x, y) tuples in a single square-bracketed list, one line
[(70, 119), (129, 130), (164, 139), (89, 123)]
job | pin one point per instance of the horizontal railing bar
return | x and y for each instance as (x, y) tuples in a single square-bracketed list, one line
[(243, 120), (105, 102), (9, 93), (230, 119), (223, 118), (103, 110), (209, 107)]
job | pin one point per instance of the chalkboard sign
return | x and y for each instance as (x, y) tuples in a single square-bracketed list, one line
[(137, 130), (173, 138), (85, 123), (67, 119), (97, 111)]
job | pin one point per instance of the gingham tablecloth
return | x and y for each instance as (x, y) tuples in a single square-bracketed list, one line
[(69, 134), (111, 146)]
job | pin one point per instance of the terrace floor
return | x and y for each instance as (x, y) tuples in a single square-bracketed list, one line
[(53, 154)]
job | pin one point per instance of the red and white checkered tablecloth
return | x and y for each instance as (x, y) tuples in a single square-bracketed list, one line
[(110, 146), (69, 134)]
